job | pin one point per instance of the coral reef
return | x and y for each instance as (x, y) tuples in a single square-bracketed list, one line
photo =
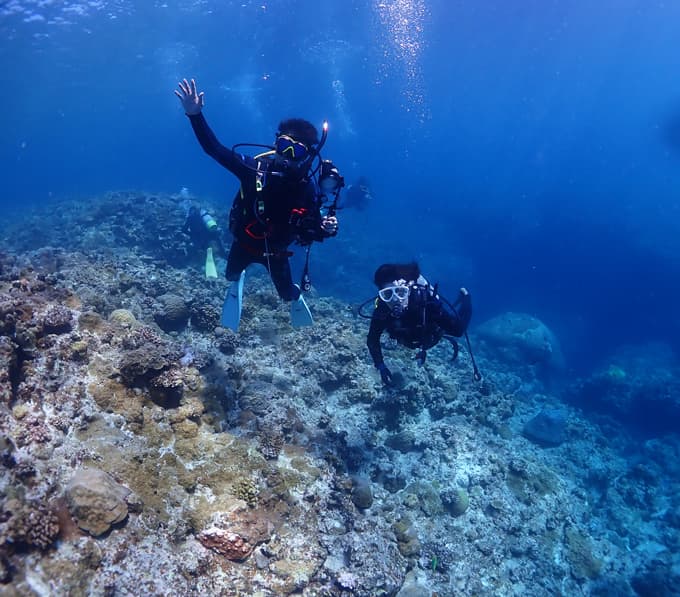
[(636, 384), (146, 450)]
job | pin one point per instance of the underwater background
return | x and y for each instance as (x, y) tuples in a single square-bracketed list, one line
[(528, 151)]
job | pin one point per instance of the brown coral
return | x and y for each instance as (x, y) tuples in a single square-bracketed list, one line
[(227, 341), (8, 368), (58, 320), (246, 489), (271, 442), (172, 313), (32, 523), (33, 430), (167, 388), (122, 318), (205, 317), (141, 336)]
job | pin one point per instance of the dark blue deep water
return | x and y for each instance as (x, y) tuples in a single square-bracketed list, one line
[(527, 150)]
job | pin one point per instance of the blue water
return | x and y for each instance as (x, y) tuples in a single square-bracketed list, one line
[(529, 151)]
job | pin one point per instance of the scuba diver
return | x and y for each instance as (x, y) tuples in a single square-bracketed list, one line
[(204, 235), (282, 199), (411, 311), (357, 195)]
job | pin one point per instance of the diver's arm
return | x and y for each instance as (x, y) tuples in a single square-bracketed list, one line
[(192, 101), (310, 225), (221, 154), (373, 339)]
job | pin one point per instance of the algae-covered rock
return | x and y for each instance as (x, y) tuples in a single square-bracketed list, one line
[(404, 441), (421, 494), (455, 500), (362, 493), (415, 585), (407, 537), (547, 428), (96, 501), (581, 560)]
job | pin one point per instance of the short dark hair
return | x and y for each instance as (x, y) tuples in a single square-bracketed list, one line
[(389, 272), (300, 129)]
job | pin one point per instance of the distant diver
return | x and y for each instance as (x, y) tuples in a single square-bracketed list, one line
[(357, 195), (284, 198), (411, 311), (204, 234)]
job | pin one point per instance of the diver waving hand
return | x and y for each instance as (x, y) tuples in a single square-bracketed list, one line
[(288, 194)]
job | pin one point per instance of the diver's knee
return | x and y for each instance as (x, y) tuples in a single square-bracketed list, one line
[(290, 294)]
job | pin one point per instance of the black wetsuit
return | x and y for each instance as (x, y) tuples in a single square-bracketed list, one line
[(200, 235), (269, 212), (421, 325)]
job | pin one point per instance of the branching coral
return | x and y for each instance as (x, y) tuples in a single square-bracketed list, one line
[(31, 523), (270, 444), (205, 316)]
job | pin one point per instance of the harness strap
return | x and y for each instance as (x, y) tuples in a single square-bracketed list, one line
[(258, 253)]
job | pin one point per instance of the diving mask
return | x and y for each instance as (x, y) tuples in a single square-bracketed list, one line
[(289, 148), (395, 296)]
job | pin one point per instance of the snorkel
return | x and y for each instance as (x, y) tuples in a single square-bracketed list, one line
[(324, 136)]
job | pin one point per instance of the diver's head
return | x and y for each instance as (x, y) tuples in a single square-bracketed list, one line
[(295, 141), (300, 130), (395, 295), (394, 283)]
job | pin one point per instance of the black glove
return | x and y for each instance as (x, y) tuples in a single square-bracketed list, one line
[(385, 374)]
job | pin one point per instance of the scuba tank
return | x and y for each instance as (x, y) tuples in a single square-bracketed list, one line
[(208, 220)]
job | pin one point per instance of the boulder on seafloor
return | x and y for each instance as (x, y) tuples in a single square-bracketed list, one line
[(235, 534), (96, 501), (521, 339), (547, 428), (362, 492)]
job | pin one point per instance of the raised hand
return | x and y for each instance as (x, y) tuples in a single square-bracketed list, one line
[(192, 101)]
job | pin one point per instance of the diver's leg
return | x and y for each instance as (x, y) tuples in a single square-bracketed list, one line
[(283, 280), (279, 269), (237, 260)]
